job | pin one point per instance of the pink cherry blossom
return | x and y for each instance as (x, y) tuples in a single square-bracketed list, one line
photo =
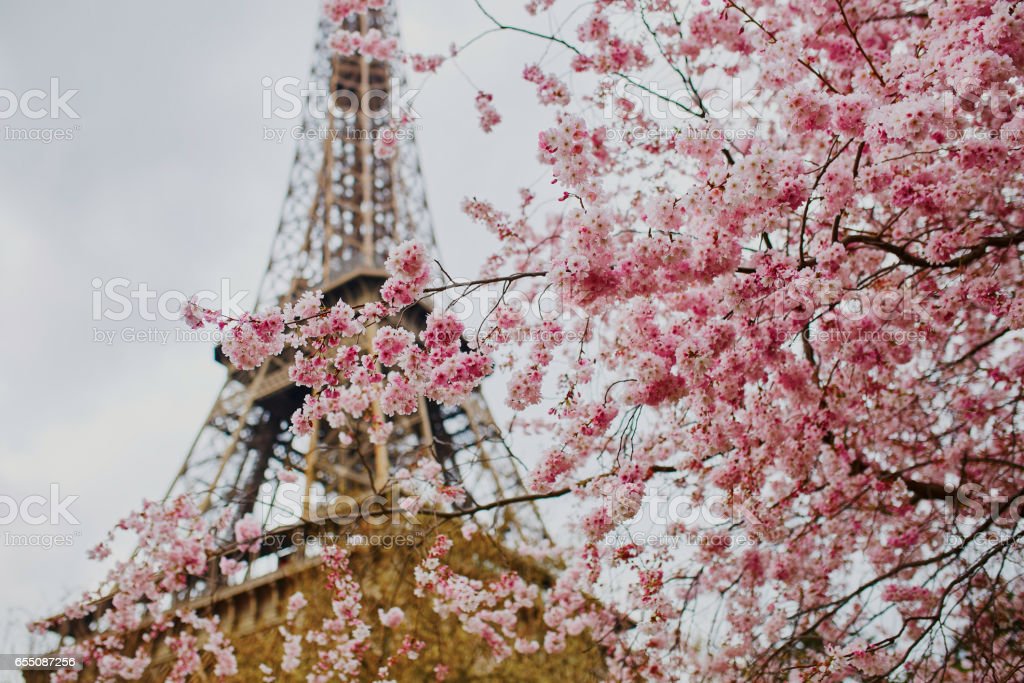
[(248, 533), (489, 116), (391, 618), (374, 44)]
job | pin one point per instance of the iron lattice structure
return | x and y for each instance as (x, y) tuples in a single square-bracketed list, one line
[(344, 210)]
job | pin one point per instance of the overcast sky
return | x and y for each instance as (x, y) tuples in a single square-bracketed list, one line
[(167, 181)]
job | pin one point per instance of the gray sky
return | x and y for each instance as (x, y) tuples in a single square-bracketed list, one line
[(167, 181)]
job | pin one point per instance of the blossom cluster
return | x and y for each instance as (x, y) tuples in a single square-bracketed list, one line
[(738, 328)]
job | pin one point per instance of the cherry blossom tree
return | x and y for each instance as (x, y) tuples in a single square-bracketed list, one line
[(787, 261)]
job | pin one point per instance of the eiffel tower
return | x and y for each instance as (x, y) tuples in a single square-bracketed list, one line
[(344, 209)]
